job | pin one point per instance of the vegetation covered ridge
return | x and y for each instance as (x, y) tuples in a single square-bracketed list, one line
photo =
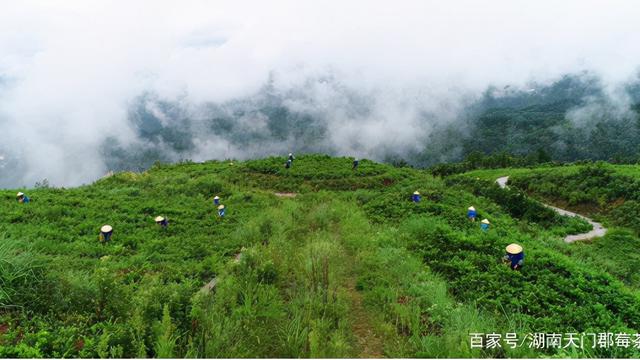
[(349, 267)]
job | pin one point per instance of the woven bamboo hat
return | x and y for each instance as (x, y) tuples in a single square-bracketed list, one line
[(514, 249), (106, 228), (216, 198), (416, 193), (220, 207), (20, 194), (472, 208), (159, 218), (485, 221)]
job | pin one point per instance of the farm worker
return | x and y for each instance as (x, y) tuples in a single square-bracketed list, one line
[(22, 198), (515, 256), (291, 158), (471, 213), (105, 233), (216, 200), (356, 162), (416, 197), (287, 165), (221, 210), (162, 221), (485, 225)]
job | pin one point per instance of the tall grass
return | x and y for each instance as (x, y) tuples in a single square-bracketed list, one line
[(19, 274)]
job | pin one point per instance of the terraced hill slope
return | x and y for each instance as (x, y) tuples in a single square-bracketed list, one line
[(348, 267), (606, 192)]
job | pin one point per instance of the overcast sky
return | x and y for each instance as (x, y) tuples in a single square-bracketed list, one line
[(69, 69)]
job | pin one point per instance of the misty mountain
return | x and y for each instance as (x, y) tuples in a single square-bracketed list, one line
[(572, 119), (269, 122), (576, 117)]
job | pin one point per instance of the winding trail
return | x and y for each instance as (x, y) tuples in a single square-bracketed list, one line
[(285, 194), (597, 229)]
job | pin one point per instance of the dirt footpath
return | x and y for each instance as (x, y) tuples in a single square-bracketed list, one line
[(597, 229)]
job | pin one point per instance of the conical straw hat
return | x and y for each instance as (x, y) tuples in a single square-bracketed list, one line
[(416, 193), (485, 221), (216, 198), (106, 228), (472, 208), (159, 218), (514, 249), (20, 194), (220, 207)]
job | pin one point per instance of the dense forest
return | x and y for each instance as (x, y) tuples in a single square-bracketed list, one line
[(569, 120)]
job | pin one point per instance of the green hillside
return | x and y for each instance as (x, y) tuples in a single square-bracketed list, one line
[(340, 263), (603, 190), (609, 193)]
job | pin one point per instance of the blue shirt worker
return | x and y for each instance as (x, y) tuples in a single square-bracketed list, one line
[(514, 256), (416, 197), (221, 211), (471, 213), (216, 200), (105, 233), (356, 162), (485, 225), (22, 198), (162, 221), (291, 157)]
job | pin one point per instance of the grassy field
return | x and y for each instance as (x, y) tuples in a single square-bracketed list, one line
[(345, 265)]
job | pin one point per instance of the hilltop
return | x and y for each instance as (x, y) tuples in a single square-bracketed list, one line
[(348, 267)]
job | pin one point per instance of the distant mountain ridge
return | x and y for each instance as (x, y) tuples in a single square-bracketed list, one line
[(574, 118)]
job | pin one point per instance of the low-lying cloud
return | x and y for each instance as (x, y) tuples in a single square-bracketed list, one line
[(361, 78)]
